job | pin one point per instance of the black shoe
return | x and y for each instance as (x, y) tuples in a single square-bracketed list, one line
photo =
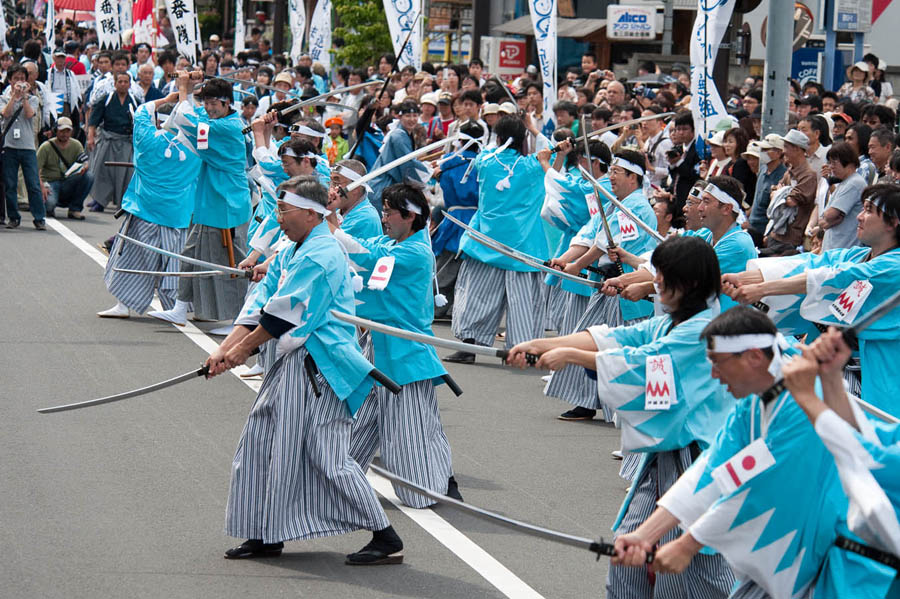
[(95, 207), (40, 225), (578, 413), (13, 223), (254, 548), (462, 357), (453, 489), (384, 548)]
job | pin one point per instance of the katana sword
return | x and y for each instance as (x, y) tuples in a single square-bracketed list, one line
[(599, 547), (113, 163), (202, 371), (610, 243), (313, 100), (397, 162), (518, 256), (186, 274), (615, 126), (619, 205), (195, 261), (471, 348), (850, 337)]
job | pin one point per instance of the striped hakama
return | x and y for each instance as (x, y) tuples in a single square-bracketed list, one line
[(484, 293), (407, 430), (110, 182), (556, 305), (292, 475), (214, 298), (707, 577), (136, 291), (572, 384)]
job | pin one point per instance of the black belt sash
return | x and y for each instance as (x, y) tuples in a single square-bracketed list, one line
[(872, 553)]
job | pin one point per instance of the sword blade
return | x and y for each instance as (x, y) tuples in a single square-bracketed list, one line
[(879, 311), (420, 337), (135, 393), (619, 205), (598, 547), (519, 256), (403, 159), (186, 274), (194, 261)]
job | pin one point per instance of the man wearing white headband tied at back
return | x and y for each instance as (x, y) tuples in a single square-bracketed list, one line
[(766, 493), (221, 203), (399, 271), (360, 218), (292, 477), (310, 130)]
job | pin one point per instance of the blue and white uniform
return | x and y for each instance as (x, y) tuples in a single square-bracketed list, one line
[(159, 203), (292, 475)]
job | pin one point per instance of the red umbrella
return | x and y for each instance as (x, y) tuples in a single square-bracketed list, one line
[(79, 5)]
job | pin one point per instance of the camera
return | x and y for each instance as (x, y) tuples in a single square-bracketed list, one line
[(674, 152)]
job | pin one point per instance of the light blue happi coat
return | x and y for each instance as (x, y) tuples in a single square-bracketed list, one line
[(510, 215), (362, 221), (566, 208), (222, 199), (700, 404), (407, 303), (161, 190), (593, 234), (303, 284), (397, 143), (733, 250), (264, 231), (777, 527), (879, 345)]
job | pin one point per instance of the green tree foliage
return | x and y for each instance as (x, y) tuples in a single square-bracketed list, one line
[(364, 31)]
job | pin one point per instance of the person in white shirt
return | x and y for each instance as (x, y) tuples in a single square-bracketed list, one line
[(656, 145)]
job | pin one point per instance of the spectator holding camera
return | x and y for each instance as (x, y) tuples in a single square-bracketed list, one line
[(17, 108)]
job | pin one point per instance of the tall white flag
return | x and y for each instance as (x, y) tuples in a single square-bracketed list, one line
[(126, 14), (50, 27), (709, 28), (400, 16), (320, 34), (109, 36), (184, 25), (297, 20), (240, 32), (3, 27), (543, 20)]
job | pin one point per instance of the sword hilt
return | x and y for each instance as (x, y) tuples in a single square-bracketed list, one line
[(385, 381), (619, 268), (761, 306), (580, 274), (608, 549), (530, 359)]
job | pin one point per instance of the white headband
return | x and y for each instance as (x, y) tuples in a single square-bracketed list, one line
[(725, 198), (352, 175), (410, 207), (290, 152), (289, 197), (304, 130), (736, 344), (628, 166)]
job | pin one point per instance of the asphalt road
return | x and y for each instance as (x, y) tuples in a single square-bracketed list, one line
[(128, 499)]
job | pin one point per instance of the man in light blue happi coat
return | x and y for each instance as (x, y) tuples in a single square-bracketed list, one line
[(400, 269), (159, 203), (292, 474)]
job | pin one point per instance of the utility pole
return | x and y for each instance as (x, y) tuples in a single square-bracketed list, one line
[(779, 51), (667, 28)]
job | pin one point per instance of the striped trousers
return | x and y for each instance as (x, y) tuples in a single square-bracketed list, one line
[(136, 291), (557, 299), (484, 293), (214, 298), (707, 577), (747, 589), (292, 476), (572, 384), (407, 429)]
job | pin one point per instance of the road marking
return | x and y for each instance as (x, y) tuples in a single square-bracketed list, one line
[(459, 544)]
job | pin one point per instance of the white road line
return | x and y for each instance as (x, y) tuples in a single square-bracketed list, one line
[(462, 546)]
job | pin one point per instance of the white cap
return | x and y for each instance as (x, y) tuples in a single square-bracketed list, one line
[(508, 108), (429, 98)]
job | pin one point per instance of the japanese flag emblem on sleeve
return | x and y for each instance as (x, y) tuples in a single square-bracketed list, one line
[(746, 464), (381, 274), (659, 393), (202, 136)]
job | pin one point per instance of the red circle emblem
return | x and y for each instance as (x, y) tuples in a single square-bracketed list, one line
[(748, 462)]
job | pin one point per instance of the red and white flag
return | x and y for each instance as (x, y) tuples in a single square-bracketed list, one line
[(743, 466), (145, 27), (381, 274)]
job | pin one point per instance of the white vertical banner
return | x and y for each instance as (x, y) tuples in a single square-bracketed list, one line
[(50, 27), (297, 20), (3, 27), (126, 14), (240, 32), (184, 25), (712, 20), (400, 17), (320, 34), (109, 36), (543, 20)]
